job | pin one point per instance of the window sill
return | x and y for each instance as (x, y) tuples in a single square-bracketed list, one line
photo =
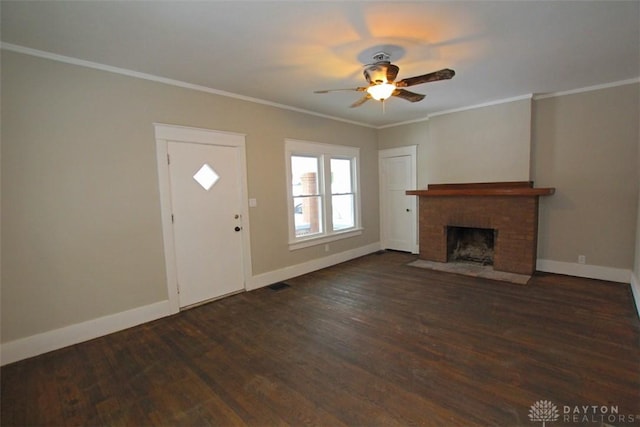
[(314, 241)]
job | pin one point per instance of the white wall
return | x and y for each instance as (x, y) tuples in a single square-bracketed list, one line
[(82, 238), (485, 144), (489, 144), (583, 144), (586, 145), (635, 278)]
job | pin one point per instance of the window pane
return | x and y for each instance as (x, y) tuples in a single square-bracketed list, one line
[(307, 215), (343, 215), (304, 175), (341, 176)]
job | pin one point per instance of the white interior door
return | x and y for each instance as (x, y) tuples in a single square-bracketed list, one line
[(397, 210), (206, 196)]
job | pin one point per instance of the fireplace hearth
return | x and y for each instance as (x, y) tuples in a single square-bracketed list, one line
[(509, 210)]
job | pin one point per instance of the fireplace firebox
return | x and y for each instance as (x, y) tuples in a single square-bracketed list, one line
[(470, 244)]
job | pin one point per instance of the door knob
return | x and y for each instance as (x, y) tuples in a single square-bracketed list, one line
[(238, 228), (408, 210)]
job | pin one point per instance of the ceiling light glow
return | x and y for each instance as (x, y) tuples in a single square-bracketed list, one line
[(381, 91)]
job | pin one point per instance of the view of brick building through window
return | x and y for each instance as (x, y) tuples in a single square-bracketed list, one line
[(310, 208)]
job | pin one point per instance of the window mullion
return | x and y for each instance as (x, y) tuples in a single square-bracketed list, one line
[(328, 205), (355, 188)]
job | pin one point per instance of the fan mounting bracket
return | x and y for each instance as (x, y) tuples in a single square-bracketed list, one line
[(381, 57)]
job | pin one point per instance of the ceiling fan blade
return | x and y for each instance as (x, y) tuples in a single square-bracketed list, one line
[(361, 101), (409, 96), (392, 72), (356, 89), (444, 74)]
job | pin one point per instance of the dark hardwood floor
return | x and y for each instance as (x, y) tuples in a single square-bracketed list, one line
[(368, 342)]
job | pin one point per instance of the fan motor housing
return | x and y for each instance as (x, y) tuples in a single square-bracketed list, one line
[(380, 72)]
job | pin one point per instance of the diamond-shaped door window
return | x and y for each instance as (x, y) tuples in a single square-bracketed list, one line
[(206, 177)]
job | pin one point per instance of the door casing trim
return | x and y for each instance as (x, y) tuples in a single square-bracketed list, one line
[(175, 133), (412, 151)]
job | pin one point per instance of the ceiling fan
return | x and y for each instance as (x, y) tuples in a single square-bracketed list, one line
[(381, 76)]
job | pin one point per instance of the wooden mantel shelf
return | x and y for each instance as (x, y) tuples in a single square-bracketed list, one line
[(484, 192), (517, 189)]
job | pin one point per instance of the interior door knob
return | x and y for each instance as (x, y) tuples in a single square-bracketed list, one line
[(238, 228)]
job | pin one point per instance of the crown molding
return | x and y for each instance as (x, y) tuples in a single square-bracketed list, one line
[(457, 110), (136, 74), (587, 89), (144, 76), (534, 97)]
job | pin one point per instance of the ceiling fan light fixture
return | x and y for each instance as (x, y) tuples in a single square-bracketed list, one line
[(382, 84), (381, 91)]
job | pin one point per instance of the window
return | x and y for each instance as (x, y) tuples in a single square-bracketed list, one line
[(322, 188)]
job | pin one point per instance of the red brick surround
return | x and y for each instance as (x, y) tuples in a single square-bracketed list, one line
[(513, 216)]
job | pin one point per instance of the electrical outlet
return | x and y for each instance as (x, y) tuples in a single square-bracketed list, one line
[(582, 259)]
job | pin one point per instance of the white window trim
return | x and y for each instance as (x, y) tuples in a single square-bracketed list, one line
[(294, 147)]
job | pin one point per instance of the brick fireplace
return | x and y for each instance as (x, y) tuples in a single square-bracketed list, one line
[(508, 209)]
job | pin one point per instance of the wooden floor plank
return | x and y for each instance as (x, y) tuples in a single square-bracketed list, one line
[(371, 341)]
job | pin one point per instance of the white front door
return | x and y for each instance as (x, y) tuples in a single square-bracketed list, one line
[(397, 210), (206, 206)]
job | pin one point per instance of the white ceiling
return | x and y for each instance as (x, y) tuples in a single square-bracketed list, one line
[(281, 51)]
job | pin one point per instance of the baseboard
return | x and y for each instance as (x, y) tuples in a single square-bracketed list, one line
[(635, 290), (585, 270), (266, 279), (34, 345), (45, 342)]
